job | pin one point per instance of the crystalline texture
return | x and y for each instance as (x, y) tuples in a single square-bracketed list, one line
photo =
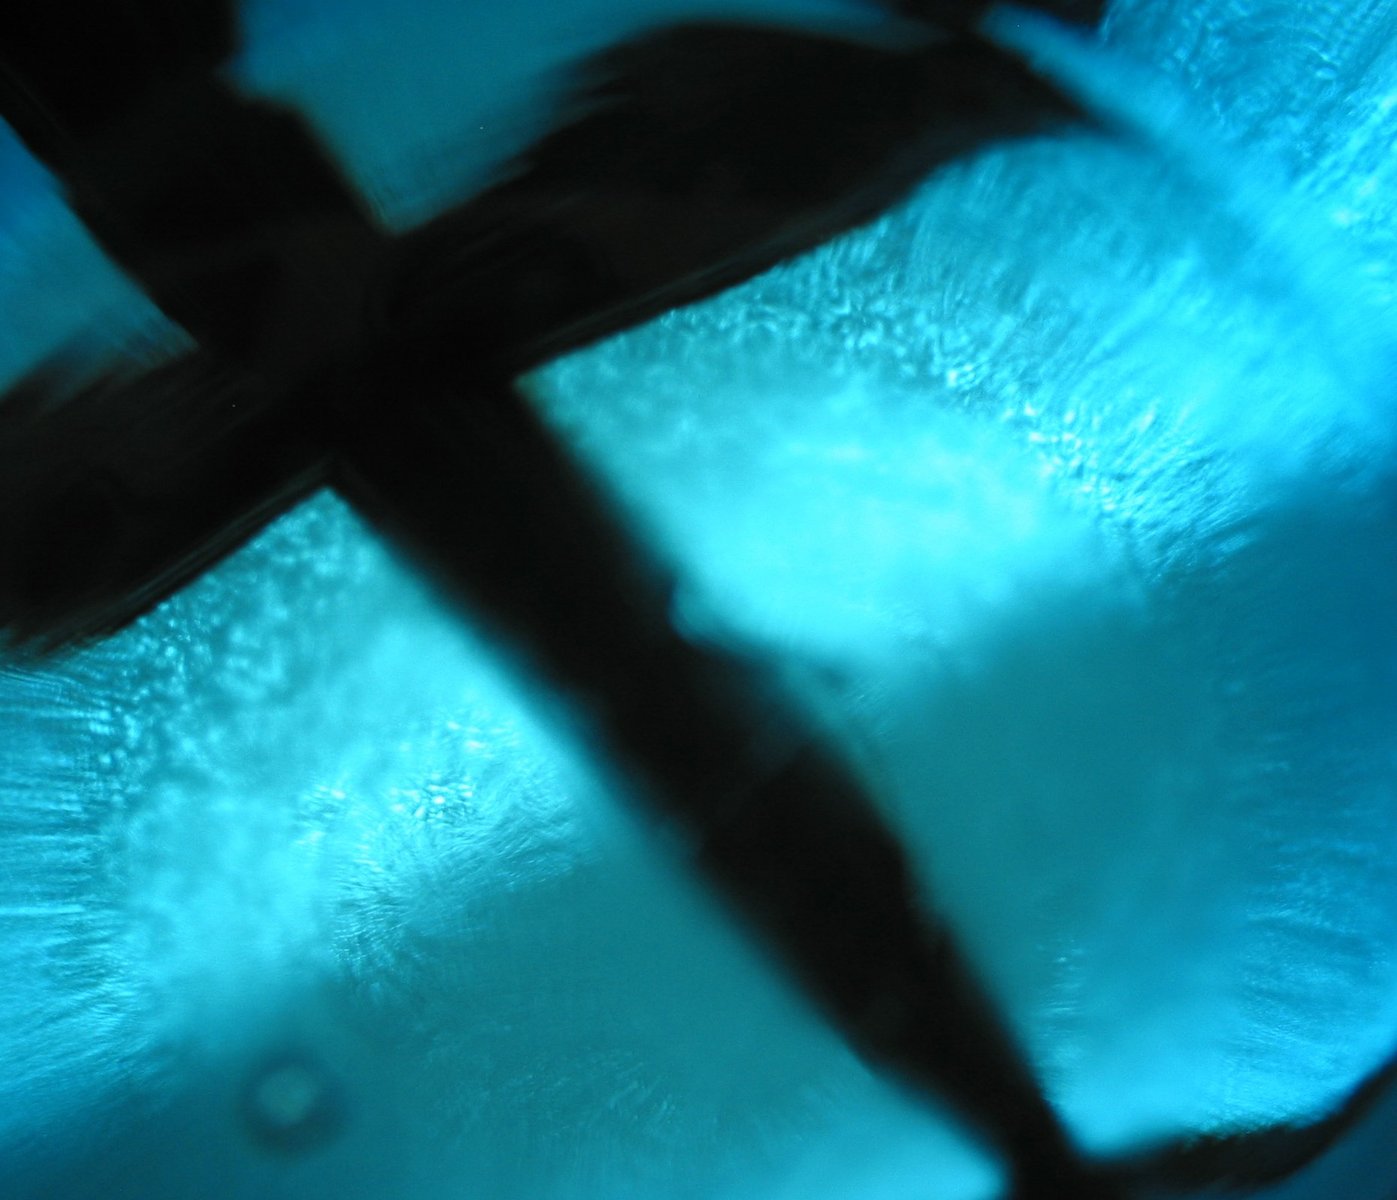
[(1064, 495)]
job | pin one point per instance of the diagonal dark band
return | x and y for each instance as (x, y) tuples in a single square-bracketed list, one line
[(330, 352)]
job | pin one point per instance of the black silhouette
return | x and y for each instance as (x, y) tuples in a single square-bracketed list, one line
[(328, 352)]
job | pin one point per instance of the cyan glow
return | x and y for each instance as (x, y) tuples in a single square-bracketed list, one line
[(1064, 493)]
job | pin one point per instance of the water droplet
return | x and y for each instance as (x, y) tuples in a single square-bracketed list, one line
[(291, 1105)]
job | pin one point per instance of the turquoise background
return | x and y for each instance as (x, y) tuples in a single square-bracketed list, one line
[(1063, 494)]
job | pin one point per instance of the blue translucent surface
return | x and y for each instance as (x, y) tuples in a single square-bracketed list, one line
[(1065, 495)]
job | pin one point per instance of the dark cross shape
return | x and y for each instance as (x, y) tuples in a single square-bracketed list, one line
[(329, 352)]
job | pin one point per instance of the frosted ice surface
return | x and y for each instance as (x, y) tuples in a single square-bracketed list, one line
[(1064, 493), (297, 812), (1097, 544)]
